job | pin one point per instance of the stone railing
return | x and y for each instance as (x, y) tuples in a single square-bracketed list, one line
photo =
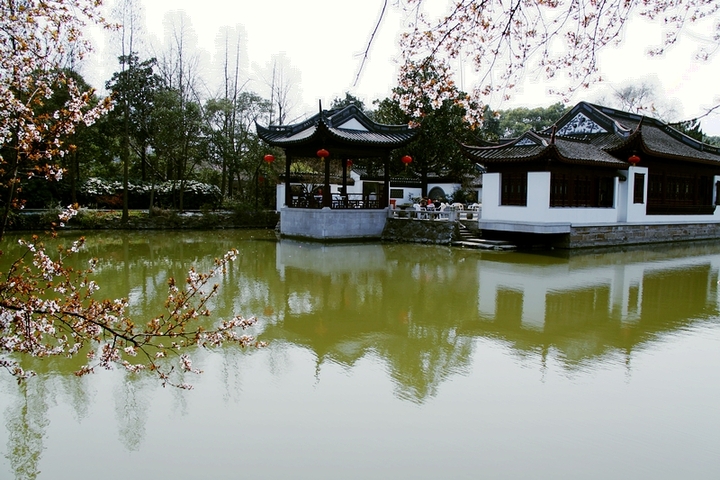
[(449, 214)]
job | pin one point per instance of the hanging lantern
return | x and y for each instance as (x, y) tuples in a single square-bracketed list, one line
[(634, 159), (407, 160), (322, 153), (348, 163), (269, 158)]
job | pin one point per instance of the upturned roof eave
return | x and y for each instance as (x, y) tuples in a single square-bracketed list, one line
[(324, 129), (637, 137), (550, 152)]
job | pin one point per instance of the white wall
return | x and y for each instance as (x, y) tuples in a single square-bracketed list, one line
[(538, 210), (538, 204), (635, 212)]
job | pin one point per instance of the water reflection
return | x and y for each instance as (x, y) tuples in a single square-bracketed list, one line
[(421, 311), (421, 308), (590, 305)]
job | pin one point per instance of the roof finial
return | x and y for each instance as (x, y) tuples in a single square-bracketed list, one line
[(320, 106)]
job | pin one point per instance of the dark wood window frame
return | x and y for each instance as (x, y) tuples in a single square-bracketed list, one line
[(513, 189), (584, 190)]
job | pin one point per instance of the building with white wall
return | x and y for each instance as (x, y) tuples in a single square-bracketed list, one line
[(600, 171)]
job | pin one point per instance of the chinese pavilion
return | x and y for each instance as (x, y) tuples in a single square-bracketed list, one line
[(342, 136)]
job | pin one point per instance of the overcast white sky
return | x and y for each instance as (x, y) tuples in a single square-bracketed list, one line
[(324, 40)]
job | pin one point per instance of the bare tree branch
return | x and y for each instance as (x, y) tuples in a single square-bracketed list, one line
[(369, 44)]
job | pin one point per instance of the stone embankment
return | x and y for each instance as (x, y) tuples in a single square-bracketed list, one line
[(618, 235), (411, 230)]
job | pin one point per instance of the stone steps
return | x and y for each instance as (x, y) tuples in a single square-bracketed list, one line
[(470, 240)]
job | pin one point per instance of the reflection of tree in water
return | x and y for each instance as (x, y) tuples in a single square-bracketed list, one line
[(402, 307), (131, 408), (420, 363), (27, 421), (418, 309)]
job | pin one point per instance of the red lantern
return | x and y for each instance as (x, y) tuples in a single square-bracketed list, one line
[(322, 153), (634, 159), (269, 158), (348, 163), (407, 159)]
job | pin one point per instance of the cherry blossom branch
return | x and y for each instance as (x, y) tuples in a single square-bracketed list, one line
[(48, 310)]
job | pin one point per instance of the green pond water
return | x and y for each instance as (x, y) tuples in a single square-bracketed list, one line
[(395, 362)]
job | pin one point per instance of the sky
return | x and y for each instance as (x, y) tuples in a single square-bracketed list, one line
[(323, 42)]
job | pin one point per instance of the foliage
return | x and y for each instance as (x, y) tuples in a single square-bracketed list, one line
[(50, 310), (691, 128), (135, 88), (713, 140), (441, 122), (516, 121), (37, 39), (95, 191), (234, 142), (547, 36), (348, 100)]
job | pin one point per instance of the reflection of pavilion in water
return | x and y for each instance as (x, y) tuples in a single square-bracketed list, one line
[(345, 302), (369, 299)]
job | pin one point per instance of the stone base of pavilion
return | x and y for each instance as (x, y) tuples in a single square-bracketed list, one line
[(328, 224)]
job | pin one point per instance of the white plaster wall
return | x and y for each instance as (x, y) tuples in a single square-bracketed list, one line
[(538, 210), (636, 211), (621, 196), (279, 196), (538, 205)]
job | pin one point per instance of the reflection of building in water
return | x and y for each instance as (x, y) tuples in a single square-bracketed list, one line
[(421, 310), (587, 305)]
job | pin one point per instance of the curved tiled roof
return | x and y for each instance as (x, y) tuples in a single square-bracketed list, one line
[(532, 146), (590, 134), (348, 126)]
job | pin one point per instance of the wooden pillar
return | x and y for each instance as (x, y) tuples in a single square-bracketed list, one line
[(385, 197), (344, 193), (327, 196), (288, 192)]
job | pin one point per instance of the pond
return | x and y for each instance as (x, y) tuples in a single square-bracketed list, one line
[(390, 361)]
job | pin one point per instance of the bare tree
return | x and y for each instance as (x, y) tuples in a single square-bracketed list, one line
[(282, 79), (179, 140), (128, 13)]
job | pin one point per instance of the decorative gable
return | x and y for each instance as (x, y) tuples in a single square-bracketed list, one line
[(353, 124), (526, 142), (581, 124)]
